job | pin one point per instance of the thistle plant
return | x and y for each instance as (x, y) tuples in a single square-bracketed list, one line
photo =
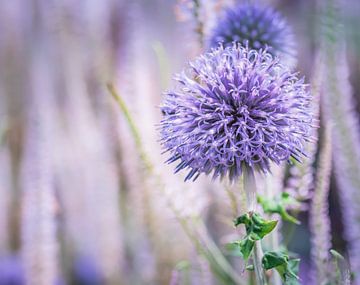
[(258, 26), (235, 109), (233, 112)]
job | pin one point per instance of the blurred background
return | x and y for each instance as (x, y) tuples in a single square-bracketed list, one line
[(83, 201)]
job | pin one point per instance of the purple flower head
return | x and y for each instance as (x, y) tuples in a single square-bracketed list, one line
[(235, 108), (259, 27)]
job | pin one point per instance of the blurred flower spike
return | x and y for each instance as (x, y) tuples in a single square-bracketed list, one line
[(258, 26), (235, 108)]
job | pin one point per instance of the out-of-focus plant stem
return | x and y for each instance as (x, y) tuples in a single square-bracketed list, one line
[(233, 201), (212, 255), (319, 212), (163, 62), (134, 131)]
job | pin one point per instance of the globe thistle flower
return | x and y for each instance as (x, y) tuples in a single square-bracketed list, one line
[(235, 108), (259, 27)]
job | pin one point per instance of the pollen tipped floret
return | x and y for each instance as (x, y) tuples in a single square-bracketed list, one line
[(258, 26), (235, 108)]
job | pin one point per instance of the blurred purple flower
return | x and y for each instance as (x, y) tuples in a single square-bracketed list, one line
[(235, 108), (86, 272), (11, 271), (260, 27)]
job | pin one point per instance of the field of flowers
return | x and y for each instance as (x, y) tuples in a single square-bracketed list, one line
[(180, 142)]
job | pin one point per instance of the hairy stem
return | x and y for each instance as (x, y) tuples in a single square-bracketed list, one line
[(259, 271), (272, 188), (250, 190)]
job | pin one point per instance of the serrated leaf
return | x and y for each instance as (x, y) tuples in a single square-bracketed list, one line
[(242, 248), (256, 225), (273, 259), (243, 219), (256, 228), (288, 269), (262, 227), (246, 246)]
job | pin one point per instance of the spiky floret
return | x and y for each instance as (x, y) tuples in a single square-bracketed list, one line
[(260, 27), (235, 108)]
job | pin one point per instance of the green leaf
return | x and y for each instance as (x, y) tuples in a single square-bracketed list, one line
[(242, 248), (256, 225), (293, 271), (256, 228), (243, 219), (288, 269), (261, 227), (246, 246), (279, 205), (273, 259)]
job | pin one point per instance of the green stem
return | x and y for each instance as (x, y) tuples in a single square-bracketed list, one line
[(233, 201), (272, 187), (163, 62), (259, 271), (250, 190), (134, 131)]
